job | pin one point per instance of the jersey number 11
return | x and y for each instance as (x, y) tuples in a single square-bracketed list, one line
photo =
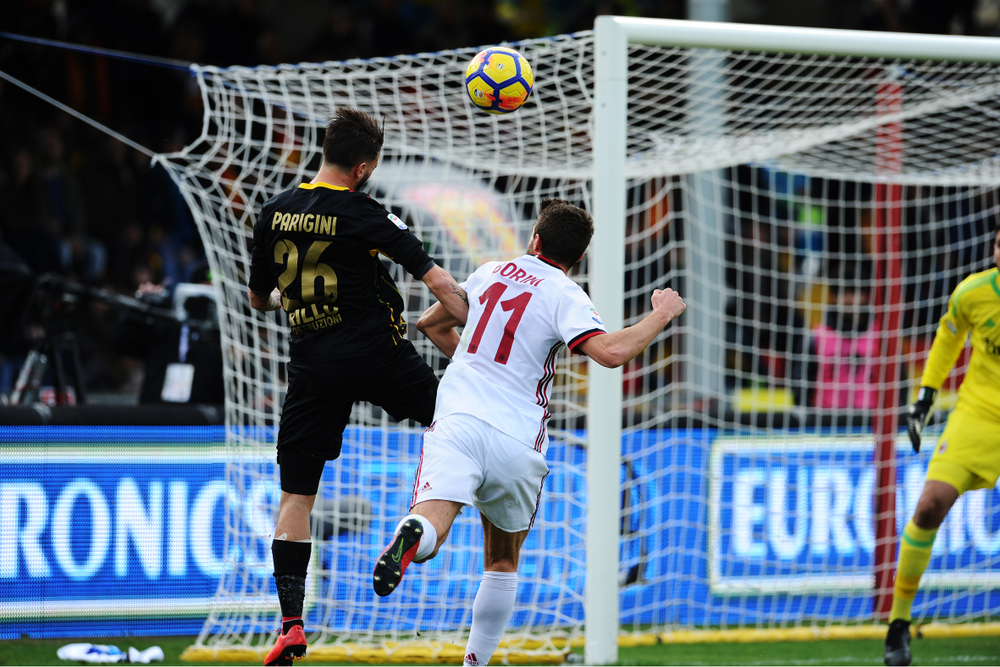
[(517, 304)]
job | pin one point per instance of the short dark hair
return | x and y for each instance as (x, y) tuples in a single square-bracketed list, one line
[(565, 231), (352, 137)]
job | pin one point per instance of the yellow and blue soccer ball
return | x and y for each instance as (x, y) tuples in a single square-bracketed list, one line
[(499, 80)]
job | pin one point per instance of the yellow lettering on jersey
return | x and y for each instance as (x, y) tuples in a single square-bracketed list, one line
[(296, 224), (313, 317), (284, 221), (327, 225), (307, 222), (276, 220)]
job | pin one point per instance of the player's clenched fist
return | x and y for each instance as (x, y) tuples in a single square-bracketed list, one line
[(668, 302)]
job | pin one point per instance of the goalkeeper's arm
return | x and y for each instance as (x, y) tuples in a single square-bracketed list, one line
[(948, 343)]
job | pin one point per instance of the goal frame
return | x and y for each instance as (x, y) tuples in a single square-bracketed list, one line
[(612, 35)]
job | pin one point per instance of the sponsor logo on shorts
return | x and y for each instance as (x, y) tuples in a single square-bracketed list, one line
[(425, 488), (944, 446)]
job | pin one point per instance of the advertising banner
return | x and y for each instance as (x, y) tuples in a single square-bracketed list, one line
[(110, 522), (101, 524), (794, 514)]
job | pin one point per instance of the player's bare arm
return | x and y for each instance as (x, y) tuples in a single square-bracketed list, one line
[(448, 292), (618, 348), (439, 326), (265, 304)]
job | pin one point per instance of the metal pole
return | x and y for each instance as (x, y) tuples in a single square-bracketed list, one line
[(703, 202), (604, 388)]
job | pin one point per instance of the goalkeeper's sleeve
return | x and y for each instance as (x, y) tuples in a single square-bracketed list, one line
[(949, 339)]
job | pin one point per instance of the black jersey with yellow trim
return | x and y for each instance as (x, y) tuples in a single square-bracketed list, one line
[(320, 245)]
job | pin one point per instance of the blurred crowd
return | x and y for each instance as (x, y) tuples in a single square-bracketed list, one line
[(79, 204), (803, 309)]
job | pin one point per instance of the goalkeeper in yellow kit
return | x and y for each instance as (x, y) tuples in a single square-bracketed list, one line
[(968, 454)]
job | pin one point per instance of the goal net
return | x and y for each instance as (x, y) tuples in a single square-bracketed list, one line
[(815, 212)]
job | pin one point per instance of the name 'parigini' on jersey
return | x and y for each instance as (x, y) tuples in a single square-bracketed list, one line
[(521, 314)]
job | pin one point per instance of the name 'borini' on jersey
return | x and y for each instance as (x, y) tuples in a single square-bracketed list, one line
[(320, 245)]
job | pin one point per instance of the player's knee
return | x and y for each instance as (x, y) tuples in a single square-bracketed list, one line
[(931, 511), (501, 565)]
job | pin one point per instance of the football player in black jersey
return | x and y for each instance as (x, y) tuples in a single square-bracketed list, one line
[(316, 254)]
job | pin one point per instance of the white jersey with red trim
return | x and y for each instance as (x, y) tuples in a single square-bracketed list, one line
[(521, 314)]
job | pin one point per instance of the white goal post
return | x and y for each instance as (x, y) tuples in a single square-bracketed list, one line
[(612, 36)]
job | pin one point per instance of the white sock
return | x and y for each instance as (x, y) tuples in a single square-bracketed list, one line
[(428, 539), (490, 613)]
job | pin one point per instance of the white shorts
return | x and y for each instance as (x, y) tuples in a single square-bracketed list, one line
[(465, 460)]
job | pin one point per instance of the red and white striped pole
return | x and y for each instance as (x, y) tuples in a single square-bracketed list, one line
[(888, 305)]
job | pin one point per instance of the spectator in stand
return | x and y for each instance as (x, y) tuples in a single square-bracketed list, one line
[(842, 367), (843, 348)]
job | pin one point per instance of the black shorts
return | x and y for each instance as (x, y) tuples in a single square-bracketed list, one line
[(320, 398)]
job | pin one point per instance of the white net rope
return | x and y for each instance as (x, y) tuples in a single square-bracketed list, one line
[(764, 188)]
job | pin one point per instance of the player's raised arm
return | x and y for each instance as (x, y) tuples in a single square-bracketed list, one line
[(439, 326), (619, 347), (448, 292)]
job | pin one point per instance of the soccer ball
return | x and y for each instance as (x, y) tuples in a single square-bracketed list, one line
[(499, 80)]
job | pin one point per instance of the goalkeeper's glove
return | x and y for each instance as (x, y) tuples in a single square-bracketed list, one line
[(919, 414)]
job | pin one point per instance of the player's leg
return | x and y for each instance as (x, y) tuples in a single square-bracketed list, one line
[(508, 502), (312, 425), (436, 516), (403, 385), (291, 550), (497, 592), (444, 482), (946, 481), (917, 540), (417, 538)]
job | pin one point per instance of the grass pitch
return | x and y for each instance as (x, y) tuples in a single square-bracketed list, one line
[(965, 651)]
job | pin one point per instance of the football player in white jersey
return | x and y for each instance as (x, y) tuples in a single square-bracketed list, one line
[(486, 446)]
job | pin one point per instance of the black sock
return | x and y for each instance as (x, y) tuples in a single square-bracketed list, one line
[(291, 559), (287, 625)]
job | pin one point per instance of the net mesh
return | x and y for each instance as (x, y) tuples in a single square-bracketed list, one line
[(779, 193)]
